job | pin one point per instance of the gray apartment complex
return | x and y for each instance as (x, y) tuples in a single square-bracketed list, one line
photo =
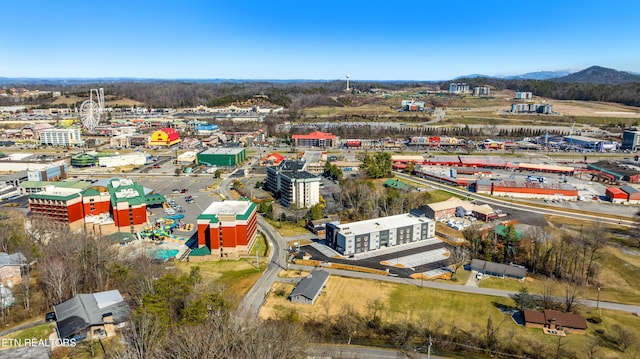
[(359, 237)]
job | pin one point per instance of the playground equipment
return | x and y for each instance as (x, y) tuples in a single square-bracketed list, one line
[(160, 231)]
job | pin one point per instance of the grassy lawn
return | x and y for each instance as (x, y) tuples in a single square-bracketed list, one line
[(439, 196), (287, 229), (261, 246), (39, 332), (618, 280), (441, 310), (235, 278)]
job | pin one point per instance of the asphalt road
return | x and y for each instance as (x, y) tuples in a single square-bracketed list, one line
[(253, 300), (360, 352)]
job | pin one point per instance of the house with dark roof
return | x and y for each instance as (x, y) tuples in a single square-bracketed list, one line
[(91, 316), (498, 270), (309, 288), (555, 320)]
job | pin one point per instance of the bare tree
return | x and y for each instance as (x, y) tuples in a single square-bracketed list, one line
[(623, 337), (571, 295), (143, 339), (458, 255), (473, 235), (593, 348), (547, 295)]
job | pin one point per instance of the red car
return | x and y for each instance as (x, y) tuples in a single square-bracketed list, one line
[(184, 190)]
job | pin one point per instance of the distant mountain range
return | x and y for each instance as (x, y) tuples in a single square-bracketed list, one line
[(592, 75), (539, 75), (600, 75)]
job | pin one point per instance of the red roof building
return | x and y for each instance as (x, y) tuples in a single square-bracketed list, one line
[(164, 137), (616, 195), (510, 188), (315, 139), (272, 159)]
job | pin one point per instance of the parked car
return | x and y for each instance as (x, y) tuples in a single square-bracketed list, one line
[(50, 317), (184, 190)]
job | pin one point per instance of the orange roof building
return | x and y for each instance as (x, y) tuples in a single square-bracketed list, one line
[(164, 137), (315, 139), (272, 159)]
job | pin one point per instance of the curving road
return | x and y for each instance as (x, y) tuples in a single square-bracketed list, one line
[(252, 301)]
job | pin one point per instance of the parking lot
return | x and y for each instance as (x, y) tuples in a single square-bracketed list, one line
[(172, 188)]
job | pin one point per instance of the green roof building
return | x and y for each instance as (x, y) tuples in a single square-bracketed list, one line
[(223, 157)]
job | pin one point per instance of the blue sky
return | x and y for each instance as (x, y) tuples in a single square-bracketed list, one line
[(370, 40)]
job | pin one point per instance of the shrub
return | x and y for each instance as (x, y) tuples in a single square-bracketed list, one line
[(596, 319)]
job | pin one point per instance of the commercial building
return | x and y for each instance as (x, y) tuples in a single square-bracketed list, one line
[(226, 230), (206, 130), (222, 157), (517, 189), (458, 88), (84, 160), (616, 171), (616, 195), (294, 186), (128, 204), (632, 194), (105, 207), (164, 137), (451, 207), (591, 143), (369, 235), (543, 108), (315, 139), (61, 137), (481, 91), (519, 95), (129, 159), (57, 205), (631, 139), (55, 172)]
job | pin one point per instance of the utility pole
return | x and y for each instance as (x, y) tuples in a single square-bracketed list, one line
[(429, 348)]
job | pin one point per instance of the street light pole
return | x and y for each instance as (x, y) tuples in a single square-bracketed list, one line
[(598, 302)]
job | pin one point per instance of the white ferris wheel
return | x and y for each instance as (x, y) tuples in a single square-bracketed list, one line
[(92, 109)]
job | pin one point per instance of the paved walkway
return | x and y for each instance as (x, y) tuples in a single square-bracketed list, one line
[(472, 281)]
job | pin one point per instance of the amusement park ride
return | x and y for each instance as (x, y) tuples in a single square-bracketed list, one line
[(92, 109)]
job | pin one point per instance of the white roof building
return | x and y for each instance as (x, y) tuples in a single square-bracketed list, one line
[(363, 236)]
